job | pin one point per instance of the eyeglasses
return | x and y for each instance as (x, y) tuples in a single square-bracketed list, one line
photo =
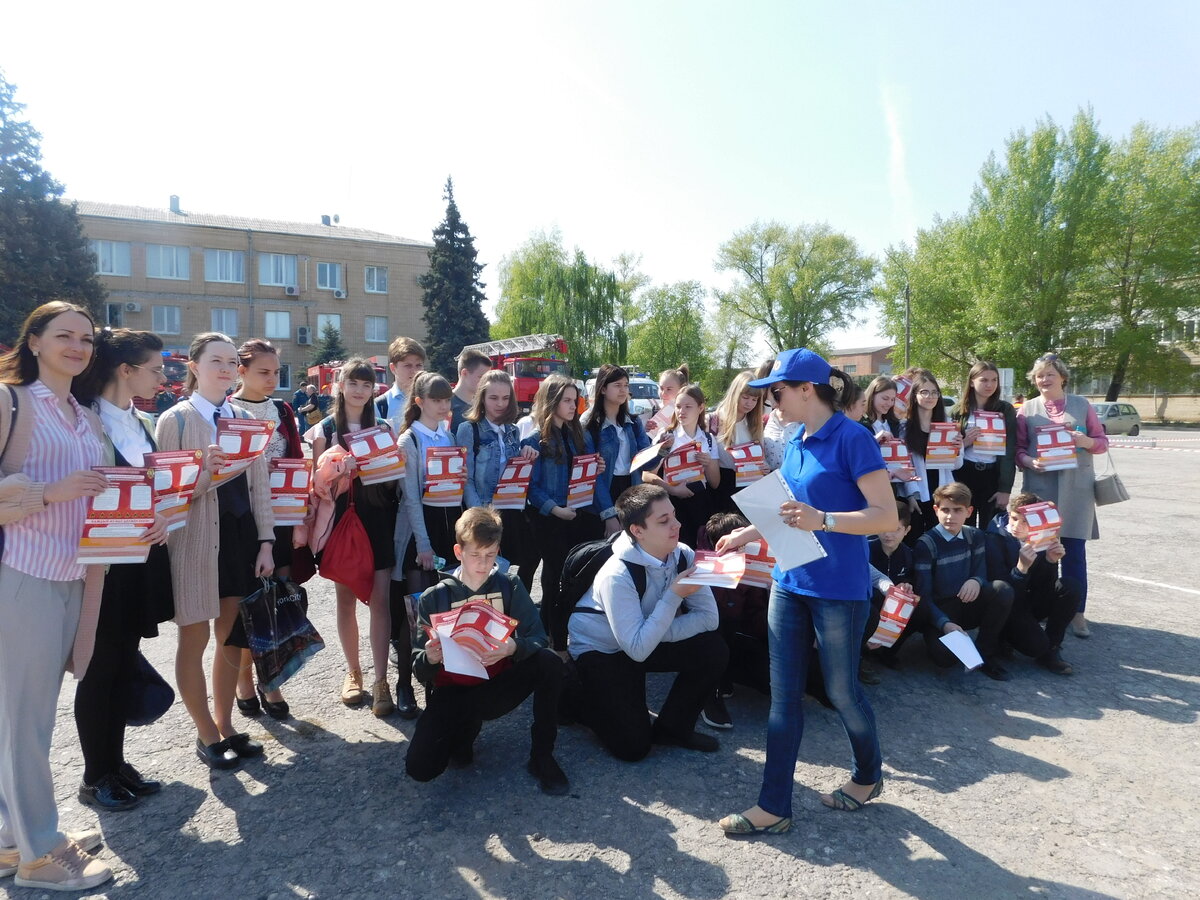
[(928, 394), (1048, 357), (157, 370)]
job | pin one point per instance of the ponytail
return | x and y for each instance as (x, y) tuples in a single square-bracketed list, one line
[(839, 394)]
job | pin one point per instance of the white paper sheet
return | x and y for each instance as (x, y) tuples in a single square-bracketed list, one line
[(457, 659), (960, 644), (791, 547)]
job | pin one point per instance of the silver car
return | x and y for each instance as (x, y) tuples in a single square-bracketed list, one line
[(1119, 418)]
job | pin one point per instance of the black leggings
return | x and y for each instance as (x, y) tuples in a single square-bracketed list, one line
[(100, 704), (556, 537)]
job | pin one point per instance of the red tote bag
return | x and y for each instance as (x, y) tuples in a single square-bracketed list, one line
[(347, 558)]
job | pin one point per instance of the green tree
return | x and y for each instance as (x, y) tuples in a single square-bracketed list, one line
[(329, 347), (454, 297), (630, 280), (43, 252), (729, 346), (672, 330), (796, 284)]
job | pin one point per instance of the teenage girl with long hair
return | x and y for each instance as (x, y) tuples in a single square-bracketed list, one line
[(558, 439), (425, 415), (258, 371), (137, 597), (881, 407), (491, 438), (737, 420), (990, 478), (693, 501), (618, 435), (670, 383), (376, 506), (925, 407)]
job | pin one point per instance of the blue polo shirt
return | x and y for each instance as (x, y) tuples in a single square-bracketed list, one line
[(823, 471)]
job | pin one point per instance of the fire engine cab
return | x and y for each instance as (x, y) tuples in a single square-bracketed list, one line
[(528, 360)]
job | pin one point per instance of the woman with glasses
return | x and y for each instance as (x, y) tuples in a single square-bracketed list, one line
[(925, 409), (1071, 490)]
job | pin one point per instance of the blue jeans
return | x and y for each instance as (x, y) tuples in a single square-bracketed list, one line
[(1074, 565), (792, 620)]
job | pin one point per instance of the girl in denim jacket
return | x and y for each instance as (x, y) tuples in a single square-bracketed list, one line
[(618, 436)]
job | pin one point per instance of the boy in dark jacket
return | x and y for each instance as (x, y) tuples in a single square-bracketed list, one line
[(457, 705)]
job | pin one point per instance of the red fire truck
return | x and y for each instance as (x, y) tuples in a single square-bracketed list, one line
[(528, 359), (175, 371), (325, 376)]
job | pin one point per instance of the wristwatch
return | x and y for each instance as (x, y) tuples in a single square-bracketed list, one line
[(829, 521)]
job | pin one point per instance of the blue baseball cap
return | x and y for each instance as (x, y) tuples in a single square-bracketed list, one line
[(796, 365)]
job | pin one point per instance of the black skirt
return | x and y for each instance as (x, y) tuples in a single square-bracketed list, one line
[(137, 597)]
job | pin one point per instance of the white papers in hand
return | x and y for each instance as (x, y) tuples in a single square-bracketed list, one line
[(456, 658), (960, 644), (791, 547)]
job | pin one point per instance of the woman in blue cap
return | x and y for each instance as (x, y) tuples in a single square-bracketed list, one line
[(836, 473)]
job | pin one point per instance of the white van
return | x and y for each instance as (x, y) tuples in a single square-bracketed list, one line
[(644, 401)]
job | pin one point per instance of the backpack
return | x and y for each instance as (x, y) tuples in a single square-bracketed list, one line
[(583, 563)]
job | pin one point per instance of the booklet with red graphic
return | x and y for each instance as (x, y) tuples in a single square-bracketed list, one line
[(118, 517), (661, 419), (903, 395), (581, 488), (717, 571), (1044, 523), (242, 441), (895, 454), (749, 464), (1055, 448), (513, 486), (377, 454), (759, 564), (898, 606), (683, 464), (943, 449), (289, 489), (992, 439), (469, 631), (175, 475), (445, 476)]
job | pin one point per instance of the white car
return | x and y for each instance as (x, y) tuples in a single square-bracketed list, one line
[(644, 401)]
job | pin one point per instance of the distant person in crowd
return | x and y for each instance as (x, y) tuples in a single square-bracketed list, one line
[(300, 397), (736, 422), (472, 364), (1071, 490), (628, 625), (990, 478), (164, 400), (406, 360), (693, 500), (670, 383), (618, 437), (925, 408)]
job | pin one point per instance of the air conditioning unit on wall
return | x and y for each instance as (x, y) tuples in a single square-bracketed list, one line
[(133, 307), (291, 290), (339, 295), (303, 335)]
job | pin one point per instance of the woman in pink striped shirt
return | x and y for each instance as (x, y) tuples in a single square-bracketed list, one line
[(49, 445)]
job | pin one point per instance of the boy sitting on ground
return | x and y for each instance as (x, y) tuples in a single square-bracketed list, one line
[(458, 705), (950, 569), (1039, 594), (618, 633)]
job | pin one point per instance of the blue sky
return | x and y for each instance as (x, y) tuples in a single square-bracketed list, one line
[(656, 128)]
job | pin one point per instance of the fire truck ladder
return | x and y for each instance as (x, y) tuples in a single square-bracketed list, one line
[(528, 343)]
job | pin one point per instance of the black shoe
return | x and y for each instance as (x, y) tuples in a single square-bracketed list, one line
[(995, 671), (278, 710), (550, 777), (243, 746), (248, 707), (1052, 660), (867, 673), (715, 714), (216, 756), (462, 755), (692, 740), (406, 702), (133, 781), (108, 794)]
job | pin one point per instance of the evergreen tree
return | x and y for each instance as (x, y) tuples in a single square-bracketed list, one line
[(454, 314), (329, 347), (43, 252)]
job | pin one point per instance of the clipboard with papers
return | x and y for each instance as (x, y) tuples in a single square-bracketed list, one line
[(760, 502)]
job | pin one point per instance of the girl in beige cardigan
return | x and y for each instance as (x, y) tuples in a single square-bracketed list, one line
[(196, 552)]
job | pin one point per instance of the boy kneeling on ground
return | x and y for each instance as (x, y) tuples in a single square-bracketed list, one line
[(458, 705), (618, 634)]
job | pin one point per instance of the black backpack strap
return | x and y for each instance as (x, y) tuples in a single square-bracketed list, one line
[(638, 573), (381, 406)]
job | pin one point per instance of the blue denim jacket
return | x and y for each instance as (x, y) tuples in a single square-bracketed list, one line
[(605, 505), (548, 485), (483, 468)]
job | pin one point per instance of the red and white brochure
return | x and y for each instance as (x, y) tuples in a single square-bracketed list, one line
[(749, 464), (683, 464), (445, 476), (1055, 448), (992, 439), (903, 395), (243, 441), (895, 454), (898, 606), (642, 458), (581, 488), (513, 486), (661, 419), (1044, 523), (290, 480), (175, 475), (468, 632), (379, 458), (942, 450), (116, 518), (759, 565), (717, 571)]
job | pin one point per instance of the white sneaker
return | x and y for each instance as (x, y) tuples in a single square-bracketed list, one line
[(88, 840), (1079, 626), (65, 868)]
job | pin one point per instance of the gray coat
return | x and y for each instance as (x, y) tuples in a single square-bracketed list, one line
[(1072, 490)]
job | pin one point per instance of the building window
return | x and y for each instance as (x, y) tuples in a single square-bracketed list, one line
[(375, 279), (165, 319), (328, 319), (377, 330), (278, 325), (329, 276), (114, 314), (850, 369), (112, 257), (276, 269), (285, 375), (163, 261), (225, 321), (227, 266)]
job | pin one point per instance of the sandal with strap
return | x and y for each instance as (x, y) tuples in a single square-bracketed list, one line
[(737, 824), (840, 800)]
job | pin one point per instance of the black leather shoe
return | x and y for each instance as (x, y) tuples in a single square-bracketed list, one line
[(406, 701), (248, 707), (243, 746), (132, 780), (107, 793), (995, 671), (550, 777), (216, 756), (276, 709), (693, 740)]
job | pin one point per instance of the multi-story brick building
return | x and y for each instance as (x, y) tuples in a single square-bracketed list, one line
[(179, 273), (861, 362)]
